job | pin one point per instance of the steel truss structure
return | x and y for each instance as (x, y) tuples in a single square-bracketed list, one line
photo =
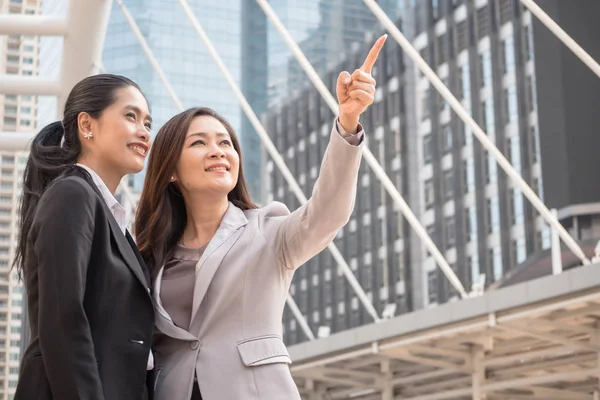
[(534, 340)]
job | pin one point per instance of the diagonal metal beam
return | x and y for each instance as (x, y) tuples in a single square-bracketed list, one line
[(403, 354), (323, 375), (550, 337), (476, 130), (563, 36), (361, 375), (29, 85), (540, 380), (438, 351), (33, 25), (558, 394), (15, 141), (83, 44), (153, 61)]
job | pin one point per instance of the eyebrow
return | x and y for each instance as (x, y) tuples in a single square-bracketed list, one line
[(204, 134), (138, 111)]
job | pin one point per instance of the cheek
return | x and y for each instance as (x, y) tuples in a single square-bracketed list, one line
[(117, 136), (235, 163), (190, 167)]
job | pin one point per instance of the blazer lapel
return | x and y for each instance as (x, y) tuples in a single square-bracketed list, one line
[(228, 233), (127, 252), (139, 257), (122, 242)]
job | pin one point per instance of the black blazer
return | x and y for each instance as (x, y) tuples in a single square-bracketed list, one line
[(90, 307)]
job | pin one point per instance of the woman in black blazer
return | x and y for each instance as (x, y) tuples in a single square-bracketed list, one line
[(88, 293)]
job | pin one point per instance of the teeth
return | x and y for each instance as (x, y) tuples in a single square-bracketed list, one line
[(139, 149), (216, 168)]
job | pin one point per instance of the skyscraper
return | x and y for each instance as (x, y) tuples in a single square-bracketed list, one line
[(18, 56), (483, 52)]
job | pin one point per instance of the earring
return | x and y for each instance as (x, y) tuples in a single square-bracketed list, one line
[(88, 135), (172, 178)]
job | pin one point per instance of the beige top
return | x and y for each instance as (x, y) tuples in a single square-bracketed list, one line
[(177, 287)]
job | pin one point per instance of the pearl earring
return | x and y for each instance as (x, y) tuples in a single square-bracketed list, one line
[(88, 135), (172, 178)]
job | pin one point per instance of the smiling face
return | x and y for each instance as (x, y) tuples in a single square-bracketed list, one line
[(209, 162), (121, 135)]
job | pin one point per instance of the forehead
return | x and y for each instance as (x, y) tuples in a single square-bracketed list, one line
[(206, 124), (131, 96)]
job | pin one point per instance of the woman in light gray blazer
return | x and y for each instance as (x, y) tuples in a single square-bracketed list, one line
[(222, 266)]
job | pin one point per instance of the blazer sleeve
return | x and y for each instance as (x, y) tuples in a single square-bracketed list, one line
[(298, 236), (62, 243)]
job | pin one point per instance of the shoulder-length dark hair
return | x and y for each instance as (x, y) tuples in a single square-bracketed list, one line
[(57, 147), (161, 214)]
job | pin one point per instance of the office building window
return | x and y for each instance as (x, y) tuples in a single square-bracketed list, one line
[(427, 151), (432, 291), (507, 55), (447, 137), (450, 232), (429, 193), (448, 184), (425, 104)]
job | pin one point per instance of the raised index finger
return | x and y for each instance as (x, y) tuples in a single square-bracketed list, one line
[(373, 54)]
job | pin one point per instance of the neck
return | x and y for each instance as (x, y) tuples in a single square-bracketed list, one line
[(204, 215), (110, 178)]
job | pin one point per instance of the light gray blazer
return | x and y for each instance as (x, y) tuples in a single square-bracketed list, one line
[(242, 280)]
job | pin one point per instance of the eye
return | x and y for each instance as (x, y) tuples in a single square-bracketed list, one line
[(226, 142), (198, 142), (131, 115), (148, 125)]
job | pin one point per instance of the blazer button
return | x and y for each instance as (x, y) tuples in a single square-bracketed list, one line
[(195, 344)]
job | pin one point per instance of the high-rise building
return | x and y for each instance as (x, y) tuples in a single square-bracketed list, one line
[(18, 56), (484, 51), (237, 30)]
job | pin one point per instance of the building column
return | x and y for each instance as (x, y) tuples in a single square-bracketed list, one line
[(313, 393), (478, 374), (387, 389)]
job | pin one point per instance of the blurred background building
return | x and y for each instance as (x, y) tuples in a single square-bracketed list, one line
[(19, 55)]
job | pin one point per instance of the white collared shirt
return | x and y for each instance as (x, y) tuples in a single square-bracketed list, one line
[(114, 206), (118, 212)]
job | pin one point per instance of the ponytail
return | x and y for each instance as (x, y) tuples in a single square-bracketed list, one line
[(47, 160)]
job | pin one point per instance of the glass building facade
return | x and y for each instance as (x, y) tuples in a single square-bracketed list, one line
[(325, 30), (194, 76)]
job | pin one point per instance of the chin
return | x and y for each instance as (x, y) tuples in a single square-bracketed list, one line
[(219, 189), (135, 168)]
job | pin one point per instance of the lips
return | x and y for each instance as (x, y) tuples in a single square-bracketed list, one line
[(217, 167), (140, 148)]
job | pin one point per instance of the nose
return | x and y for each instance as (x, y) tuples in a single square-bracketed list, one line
[(144, 135), (216, 152)]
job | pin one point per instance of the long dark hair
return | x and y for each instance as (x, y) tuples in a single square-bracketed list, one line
[(161, 214), (56, 147)]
